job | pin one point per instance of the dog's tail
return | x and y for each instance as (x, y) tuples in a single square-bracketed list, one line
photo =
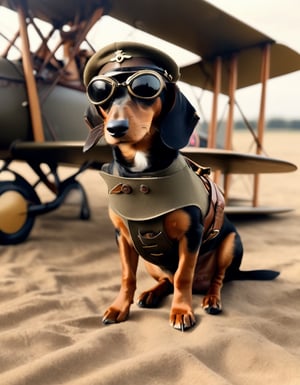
[(255, 275)]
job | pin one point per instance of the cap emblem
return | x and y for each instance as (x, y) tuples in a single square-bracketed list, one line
[(120, 55)]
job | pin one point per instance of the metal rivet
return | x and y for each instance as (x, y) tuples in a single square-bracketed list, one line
[(144, 189), (126, 189)]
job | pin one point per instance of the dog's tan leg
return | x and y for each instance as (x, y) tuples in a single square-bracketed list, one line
[(212, 301), (182, 317), (119, 309)]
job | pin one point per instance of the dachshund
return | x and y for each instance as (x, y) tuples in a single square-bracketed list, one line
[(163, 206)]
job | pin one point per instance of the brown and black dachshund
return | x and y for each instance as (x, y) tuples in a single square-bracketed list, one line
[(188, 244)]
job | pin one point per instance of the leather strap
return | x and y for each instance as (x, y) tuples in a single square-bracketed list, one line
[(214, 219)]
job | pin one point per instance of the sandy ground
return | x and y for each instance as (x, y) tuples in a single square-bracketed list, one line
[(55, 286)]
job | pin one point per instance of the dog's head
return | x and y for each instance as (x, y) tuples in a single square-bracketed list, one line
[(133, 93)]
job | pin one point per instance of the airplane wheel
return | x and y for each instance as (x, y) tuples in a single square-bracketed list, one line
[(15, 222)]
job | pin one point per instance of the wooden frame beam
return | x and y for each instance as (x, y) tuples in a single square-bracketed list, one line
[(33, 97), (231, 95), (212, 132), (233, 74), (265, 74)]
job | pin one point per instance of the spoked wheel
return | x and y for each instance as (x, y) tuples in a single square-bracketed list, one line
[(15, 221)]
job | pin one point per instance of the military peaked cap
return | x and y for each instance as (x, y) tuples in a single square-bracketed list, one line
[(119, 52)]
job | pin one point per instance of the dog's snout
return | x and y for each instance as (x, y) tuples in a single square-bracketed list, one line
[(118, 128)]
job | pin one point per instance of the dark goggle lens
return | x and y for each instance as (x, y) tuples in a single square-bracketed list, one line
[(99, 90), (145, 86)]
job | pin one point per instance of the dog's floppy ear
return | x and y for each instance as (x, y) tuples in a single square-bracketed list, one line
[(95, 123), (178, 124)]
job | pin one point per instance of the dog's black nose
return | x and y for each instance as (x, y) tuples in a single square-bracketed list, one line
[(118, 128)]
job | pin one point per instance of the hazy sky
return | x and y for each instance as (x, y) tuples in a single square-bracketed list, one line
[(280, 19)]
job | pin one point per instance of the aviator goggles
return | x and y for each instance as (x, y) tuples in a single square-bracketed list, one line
[(143, 84)]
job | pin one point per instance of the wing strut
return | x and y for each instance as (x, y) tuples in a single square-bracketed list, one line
[(233, 73), (212, 132), (33, 98), (265, 74)]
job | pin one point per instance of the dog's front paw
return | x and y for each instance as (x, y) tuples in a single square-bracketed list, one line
[(149, 299), (212, 304), (182, 319), (114, 315), (153, 297)]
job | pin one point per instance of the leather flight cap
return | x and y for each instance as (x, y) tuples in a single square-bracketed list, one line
[(119, 52)]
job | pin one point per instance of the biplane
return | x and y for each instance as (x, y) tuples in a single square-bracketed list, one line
[(43, 99)]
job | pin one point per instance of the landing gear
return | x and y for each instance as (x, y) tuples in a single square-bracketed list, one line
[(20, 204)]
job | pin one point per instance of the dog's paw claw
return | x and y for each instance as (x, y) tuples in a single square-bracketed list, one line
[(182, 322), (212, 305), (107, 321), (113, 315), (145, 304), (148, 300), (213, 310)]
